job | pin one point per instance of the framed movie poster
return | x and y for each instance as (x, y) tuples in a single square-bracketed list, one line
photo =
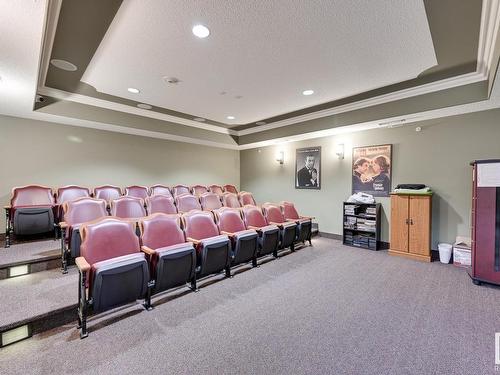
[(371, 170), (308, 168)]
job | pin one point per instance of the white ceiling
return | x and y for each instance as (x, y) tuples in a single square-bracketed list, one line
[(266, 51)]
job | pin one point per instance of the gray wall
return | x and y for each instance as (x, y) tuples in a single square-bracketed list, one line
[(37, 152), (438, 156)]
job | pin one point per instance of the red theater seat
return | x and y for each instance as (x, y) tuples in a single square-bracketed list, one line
[(304, 223), (180, 190), (172, 259), (113, 270), (217, 189), (160, 190), (160, 204), (187, 202), (198, 190), (107, 192), (31, 211), (288, 229), (76, 213), (210, 201), (230, 200), (213, 250), (137, 191), (268, 234), (246, 198), (128, 208), (66, 194), (230, 189), (244, 241)]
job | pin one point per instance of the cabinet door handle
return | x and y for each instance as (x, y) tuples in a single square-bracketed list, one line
[(407, 221), (411, 221)]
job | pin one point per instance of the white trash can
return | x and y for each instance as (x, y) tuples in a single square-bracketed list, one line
[(445, 252)]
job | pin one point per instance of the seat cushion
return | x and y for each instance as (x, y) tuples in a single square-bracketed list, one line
[(113, 262)]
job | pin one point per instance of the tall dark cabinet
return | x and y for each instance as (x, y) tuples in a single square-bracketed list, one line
[(486, 221)]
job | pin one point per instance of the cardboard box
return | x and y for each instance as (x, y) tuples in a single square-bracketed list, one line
[(462, 252)]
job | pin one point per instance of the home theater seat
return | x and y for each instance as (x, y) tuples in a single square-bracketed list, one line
[(213, 249), (269, 234), (76, 213), (288, 229), (160, 204), (112, 269), (250, 187), (31, 211), (244, 241), (172, 259)]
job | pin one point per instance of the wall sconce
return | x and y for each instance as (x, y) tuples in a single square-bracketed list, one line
[(280, 157), (339, 150)]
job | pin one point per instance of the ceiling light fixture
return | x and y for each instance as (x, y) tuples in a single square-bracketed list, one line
[(144, 106), (230, 117), (64, 65), (307, 92), (199, 119), (201, 31), (133, 90)]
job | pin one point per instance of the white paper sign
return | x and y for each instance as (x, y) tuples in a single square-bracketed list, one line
[(488, 174)]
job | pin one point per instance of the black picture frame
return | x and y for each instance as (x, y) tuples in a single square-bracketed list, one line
[(303, 180)]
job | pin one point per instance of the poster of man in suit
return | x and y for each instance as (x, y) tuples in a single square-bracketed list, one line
[(308, 168), (371, 170)]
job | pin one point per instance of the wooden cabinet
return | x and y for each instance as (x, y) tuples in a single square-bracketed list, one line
[(411, 226)]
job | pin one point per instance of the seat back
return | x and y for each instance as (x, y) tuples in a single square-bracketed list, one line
[(83, 210), (272, 213), (160, 204), (161, 230), (108, 238), (31, 195), (71, 192), (198, 190), (107, 192), (187, 202), (160, 190), (128, 207), (180, 189), (217, 189), (246, 198), (252, 215), (199, 225), (230, 200), (230, 189), (137, 191), (288, 210), (210, 201), (229, 220)]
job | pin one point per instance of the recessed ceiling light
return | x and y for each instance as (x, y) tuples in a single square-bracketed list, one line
[(199, 119), (171, 80), (144, 106), (230, 117), (201, 31), (64, 65), (307, 92), (133, 90), (260, 123)]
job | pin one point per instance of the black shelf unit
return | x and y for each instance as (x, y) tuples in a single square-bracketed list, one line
[(363, 237)]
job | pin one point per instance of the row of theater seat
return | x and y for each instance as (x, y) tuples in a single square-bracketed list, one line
[(82, 210), (34, 209), (119, 265)]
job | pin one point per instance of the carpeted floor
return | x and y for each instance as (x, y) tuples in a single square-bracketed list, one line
[(325, 309), (29, 251)]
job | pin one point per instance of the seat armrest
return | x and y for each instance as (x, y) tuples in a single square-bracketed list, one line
[(307, 217), (147, 250), (254, 228), (195, 242), (280, 225), (227, 233), (63, 225), (82, 264), (7, 207)]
